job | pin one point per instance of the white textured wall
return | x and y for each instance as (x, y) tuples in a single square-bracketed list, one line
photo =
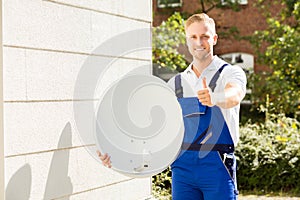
[(45, 44), (1, 114)]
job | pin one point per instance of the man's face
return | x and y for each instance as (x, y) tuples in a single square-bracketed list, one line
[(200, 40)]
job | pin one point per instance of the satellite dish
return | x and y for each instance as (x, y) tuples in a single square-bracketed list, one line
[(139, 124)]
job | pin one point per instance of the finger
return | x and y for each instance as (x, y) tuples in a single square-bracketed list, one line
[(108, 165), (202, 92), (98, 153), (102, 156), (106, 159), (201, 97), (106, 162), (204, 82)]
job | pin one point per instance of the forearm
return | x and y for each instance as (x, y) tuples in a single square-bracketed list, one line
[(231, 96)]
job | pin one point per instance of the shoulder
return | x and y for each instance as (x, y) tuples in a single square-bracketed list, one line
[(231, 74), (182, 75), (171, 81), (235, 74), (234, 70), (228, 69)]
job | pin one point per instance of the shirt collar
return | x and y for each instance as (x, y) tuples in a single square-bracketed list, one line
[(189, 69), (213, 66)]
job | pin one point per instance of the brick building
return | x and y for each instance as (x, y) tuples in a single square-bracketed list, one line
[(246, 21)]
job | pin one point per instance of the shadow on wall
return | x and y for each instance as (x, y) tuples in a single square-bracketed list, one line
[(58, 184), (19, 185)]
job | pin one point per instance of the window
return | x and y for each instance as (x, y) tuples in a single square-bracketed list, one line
[(241, 2), (169, 3), (246, 62)]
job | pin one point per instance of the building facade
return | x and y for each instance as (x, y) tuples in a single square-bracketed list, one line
[(246, 21), (46, 43)]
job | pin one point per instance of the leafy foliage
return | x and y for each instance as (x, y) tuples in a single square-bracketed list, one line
[(161, 184), (166, 39), (282, 55), (269, 156)]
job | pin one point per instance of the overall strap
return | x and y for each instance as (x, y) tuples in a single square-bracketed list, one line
[(212, 85), (195, 146), (178, 86), (213, 82), (226, 148)]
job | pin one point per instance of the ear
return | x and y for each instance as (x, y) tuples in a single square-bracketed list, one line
[(215, 39)]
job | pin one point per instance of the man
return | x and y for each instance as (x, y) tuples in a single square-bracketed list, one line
[(209, 92)]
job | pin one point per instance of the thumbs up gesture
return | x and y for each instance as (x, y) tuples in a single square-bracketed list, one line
[(204, 95)]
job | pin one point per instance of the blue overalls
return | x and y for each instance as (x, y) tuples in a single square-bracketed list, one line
[(205, 168)]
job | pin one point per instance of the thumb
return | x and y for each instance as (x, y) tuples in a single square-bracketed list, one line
[(204, 82)]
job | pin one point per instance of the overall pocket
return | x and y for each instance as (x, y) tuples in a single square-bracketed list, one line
[(229, 162)]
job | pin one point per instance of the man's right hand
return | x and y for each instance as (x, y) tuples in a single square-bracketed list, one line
[(105, 158)]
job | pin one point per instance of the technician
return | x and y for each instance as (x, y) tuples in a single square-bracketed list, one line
[(209, 92)]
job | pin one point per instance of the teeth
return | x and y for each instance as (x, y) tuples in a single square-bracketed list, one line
[(200, 49)]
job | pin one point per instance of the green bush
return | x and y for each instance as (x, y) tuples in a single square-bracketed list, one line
[(161, 185), (268, 156)]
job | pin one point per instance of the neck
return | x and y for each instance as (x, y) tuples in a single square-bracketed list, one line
[(200, 65)]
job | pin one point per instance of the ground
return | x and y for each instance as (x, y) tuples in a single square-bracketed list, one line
[(254, 197), (247, 197)]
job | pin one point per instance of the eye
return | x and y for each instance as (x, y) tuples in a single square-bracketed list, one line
[(205, 37)]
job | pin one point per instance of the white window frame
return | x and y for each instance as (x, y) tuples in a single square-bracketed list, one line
[(172, 5), (241, 2), (247, 64)]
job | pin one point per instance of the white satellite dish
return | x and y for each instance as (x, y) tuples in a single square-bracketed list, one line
[(140, 125)]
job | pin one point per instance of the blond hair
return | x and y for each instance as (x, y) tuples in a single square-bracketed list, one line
[(202, 17)]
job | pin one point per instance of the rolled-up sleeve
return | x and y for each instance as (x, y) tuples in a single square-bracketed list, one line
[(235, 74)]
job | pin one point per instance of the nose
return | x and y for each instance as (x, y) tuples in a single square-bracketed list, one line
[(198, 41)]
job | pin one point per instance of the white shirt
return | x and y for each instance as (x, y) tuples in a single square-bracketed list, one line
[(230, 74)]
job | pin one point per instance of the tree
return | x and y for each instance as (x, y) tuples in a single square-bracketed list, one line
[(282, 55), (166, 39)]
